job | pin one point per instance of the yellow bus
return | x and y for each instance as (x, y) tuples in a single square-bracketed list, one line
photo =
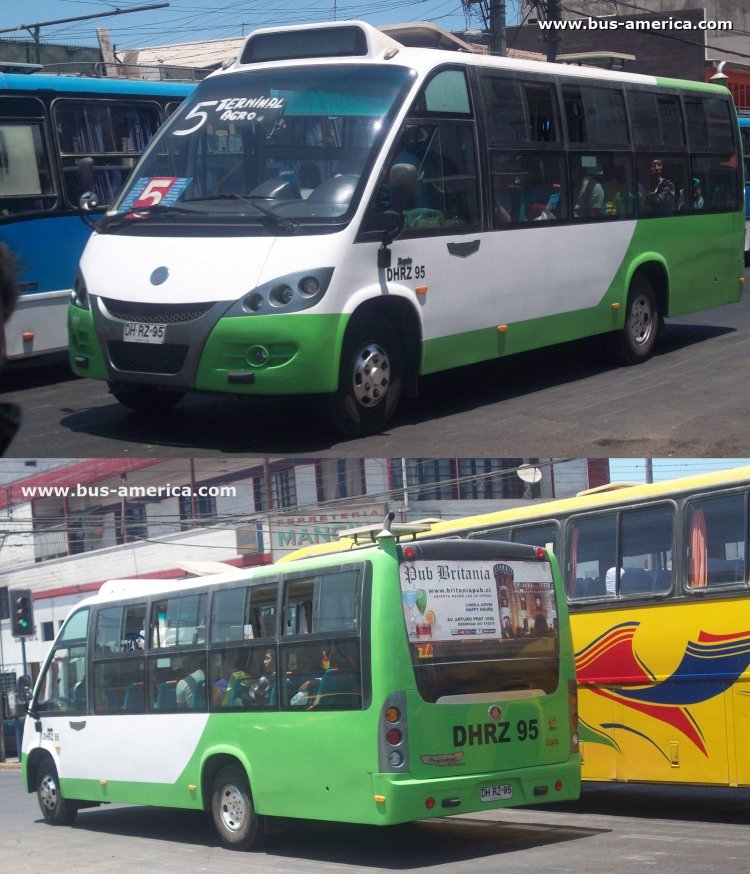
[(658, 593)]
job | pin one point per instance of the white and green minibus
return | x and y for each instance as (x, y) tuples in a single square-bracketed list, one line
[(346, 208), (394, 682)]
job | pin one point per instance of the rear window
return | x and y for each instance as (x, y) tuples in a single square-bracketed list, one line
[(481, 628)]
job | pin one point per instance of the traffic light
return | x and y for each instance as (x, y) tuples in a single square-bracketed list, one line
[(21, 613)]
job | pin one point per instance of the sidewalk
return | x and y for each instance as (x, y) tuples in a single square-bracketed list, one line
[(10, 763)]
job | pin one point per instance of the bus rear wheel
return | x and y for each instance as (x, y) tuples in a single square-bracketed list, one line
[(370, 377), (635, 342), (56, 810), (145, 398), (235, 819)]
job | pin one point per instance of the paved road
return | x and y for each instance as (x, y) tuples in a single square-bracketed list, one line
[(691, 399), (626, 829)]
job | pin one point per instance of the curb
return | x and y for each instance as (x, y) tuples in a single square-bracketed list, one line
[(10, 765)]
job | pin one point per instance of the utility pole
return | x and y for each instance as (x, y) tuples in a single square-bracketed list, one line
[(552, 35), (498, 44), (34, 29)]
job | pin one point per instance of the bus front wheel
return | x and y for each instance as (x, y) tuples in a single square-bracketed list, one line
[(56, 810), (642, 319), (370, 377), (235, 819), (145, 398)]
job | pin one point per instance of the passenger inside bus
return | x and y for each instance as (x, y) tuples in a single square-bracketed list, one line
[(341, 685), (659, 196), (589, 192)]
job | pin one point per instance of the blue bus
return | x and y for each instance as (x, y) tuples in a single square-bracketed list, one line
[(48, 123), (745, 133)]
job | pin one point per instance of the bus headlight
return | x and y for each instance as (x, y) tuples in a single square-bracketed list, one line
[(288, 294), (79, 296)]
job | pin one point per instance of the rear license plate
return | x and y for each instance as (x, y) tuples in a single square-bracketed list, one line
[(503, 792), (138, 332)]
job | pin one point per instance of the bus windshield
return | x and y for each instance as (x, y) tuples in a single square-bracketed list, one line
[(273, 148)]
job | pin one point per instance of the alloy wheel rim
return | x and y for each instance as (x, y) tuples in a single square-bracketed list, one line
[(48, 793), (641, 320), (371, 376), (233, 809)]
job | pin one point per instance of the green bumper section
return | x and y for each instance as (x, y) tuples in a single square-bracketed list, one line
[(273, 355), (403, 799), (265, 355), (84, 348)]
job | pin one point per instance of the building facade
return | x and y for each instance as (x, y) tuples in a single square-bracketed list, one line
[(65, 531)]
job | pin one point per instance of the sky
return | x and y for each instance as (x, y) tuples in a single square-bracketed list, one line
[(194, 20), (633, 470)]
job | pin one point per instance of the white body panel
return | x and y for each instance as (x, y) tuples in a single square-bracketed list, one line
[(86, 747), (44, 317)]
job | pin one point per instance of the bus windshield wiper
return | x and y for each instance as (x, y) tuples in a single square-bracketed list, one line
[(285, 223), (144, 212)]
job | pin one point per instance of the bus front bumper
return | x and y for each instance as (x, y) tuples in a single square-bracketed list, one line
[(257, 355)]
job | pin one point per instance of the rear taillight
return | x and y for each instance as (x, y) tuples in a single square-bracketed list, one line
[(573, 706), (394, 737), (393, 749)]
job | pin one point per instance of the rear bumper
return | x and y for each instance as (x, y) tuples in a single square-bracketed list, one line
[(406, 799)]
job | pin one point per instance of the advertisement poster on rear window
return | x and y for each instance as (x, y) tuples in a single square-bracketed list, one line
[(448, 600)]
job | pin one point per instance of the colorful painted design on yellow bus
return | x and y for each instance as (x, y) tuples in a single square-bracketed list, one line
[(610, 667)]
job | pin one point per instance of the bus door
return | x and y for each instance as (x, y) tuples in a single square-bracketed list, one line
[(58, 714), (439, 250)]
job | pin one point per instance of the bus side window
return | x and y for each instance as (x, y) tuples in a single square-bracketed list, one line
[(592, 552), (340, 687), (113, 133), (119, 685), (716, 536), (25, 177), (179, 621)]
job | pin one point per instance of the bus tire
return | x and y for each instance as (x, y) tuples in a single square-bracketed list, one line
[(145, 398), (635, 342), (56, 809), (370, 377), (235, 819)]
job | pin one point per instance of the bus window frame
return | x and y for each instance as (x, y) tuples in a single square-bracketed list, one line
[(715, 589), (116, 160), (42, 120), (286, 642), (616, 600)]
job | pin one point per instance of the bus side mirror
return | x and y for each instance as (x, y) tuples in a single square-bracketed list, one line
[(88, 202), (402, 195), (85, 173), (402, 187)]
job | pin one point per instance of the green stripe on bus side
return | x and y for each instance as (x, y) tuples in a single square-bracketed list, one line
[(676, 246), (133, 792)]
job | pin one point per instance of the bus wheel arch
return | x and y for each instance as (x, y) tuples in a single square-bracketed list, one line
[(379, 357), (227, 793), (645, 307)]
